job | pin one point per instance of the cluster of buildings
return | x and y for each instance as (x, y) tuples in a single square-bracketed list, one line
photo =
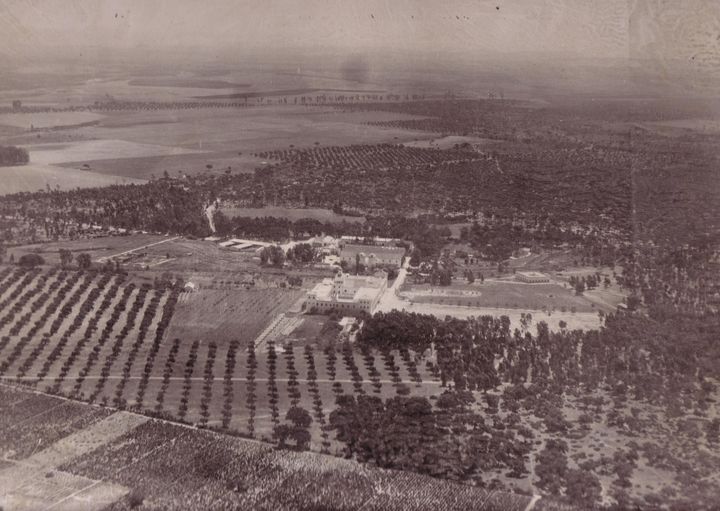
[(369, 252), (346, 294)]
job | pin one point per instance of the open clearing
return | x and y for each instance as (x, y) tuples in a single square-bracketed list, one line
[(450, 141), (506, 294), (31, 178)]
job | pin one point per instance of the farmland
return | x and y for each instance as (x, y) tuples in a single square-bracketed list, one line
[(30, 178), (579, 400), (139, 145), (48, 119), (117, 460), (224, 359)]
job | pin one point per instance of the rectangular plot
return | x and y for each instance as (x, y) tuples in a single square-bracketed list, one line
[(27, 408), (47, 428)]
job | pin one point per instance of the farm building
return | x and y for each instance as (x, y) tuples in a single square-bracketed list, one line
[(371, 256), (531, 277), (347, 294)]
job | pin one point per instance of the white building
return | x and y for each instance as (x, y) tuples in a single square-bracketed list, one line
[(347, 294), (531, 277), (371, 256)]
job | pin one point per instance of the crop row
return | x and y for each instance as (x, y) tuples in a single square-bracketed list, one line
[(91, 326)]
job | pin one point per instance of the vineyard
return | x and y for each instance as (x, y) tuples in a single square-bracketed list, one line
[(98, 459)]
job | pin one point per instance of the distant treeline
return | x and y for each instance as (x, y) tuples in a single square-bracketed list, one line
[(11, 155)]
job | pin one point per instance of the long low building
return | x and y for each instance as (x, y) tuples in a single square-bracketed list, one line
[(347, 294), (371, 255), (531, 277)]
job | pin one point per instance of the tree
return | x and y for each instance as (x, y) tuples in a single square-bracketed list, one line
[(712, 431), (31, 260), (301, 253), (83, 261), (272, 255), (579, 287), (583, 488), (11, 155), (297, 431), (633, 302), (65, 257)]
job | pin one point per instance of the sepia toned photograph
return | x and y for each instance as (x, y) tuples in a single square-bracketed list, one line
[(373, 255)]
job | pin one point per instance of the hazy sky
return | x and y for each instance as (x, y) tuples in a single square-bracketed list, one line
[(590, 27), (656, 30)]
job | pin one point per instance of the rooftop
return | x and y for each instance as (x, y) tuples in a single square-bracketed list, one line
[(373, 249)]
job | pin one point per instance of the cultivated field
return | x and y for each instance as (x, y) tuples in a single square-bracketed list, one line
[(97, 248), (187, 163), (221, 315), (224, 359), (31, 178), (90, 150), (48, 119), (96, 459), (145, 144)]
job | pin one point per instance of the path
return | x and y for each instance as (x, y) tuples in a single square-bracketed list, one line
[(105, 258), (201, 378)]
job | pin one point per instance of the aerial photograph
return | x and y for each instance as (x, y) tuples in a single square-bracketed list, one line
[(321, 255)]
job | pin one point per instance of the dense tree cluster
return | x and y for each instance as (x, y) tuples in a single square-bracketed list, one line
[(407, 433), (11, 155), (655, 358)]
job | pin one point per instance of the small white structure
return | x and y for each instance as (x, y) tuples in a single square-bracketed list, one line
[(190, 287), (531, 277)]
